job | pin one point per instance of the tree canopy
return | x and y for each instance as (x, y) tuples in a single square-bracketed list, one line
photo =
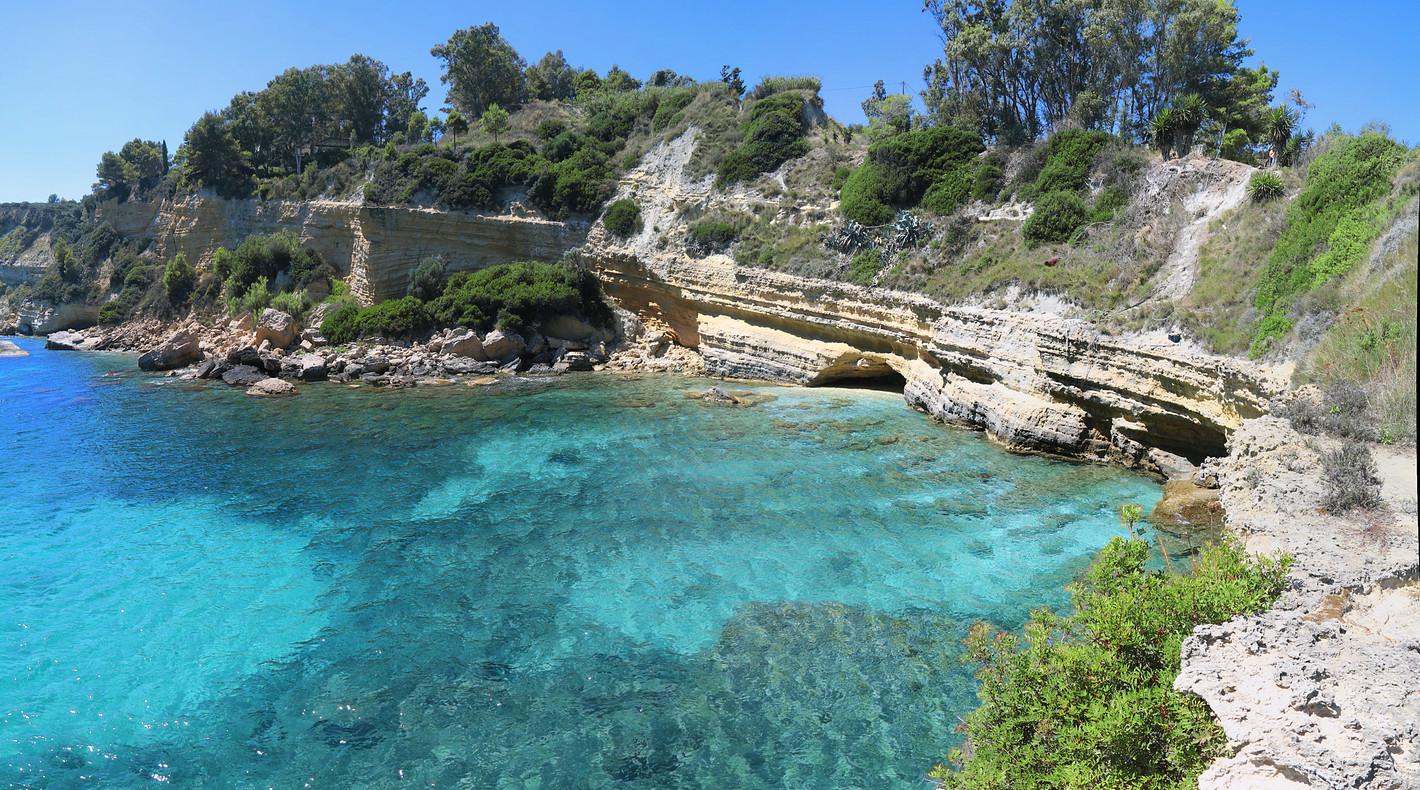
[(481, 69), (1015, 70)]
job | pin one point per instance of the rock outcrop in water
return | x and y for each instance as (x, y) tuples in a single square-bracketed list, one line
[(1323, 690)]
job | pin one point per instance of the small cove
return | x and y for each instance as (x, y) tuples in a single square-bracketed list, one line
[(572, 582)]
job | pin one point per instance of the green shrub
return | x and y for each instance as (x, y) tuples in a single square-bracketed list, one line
[(519, 295), (1264, 186), (770, 85), (865, 267), (672, 109), (179, 277), (428, 280), (904, 170), (1330, 225), (710, 236), (394, 318), (773, 134), (1087, 700), (1057, 216), (986, 184), (113, 312), (293, 303), (1110, 200), (840, 177), (263, 257), (256, 298), (622, 217), (1068, 158), (339, 327)]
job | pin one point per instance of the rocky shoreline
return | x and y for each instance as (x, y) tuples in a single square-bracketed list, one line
[(267, 353), (1323, 689)]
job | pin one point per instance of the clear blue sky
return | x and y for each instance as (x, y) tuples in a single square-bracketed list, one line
[(81, 78)]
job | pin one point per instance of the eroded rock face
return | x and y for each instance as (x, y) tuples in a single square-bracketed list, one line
[(377, 248), (1323, 690), (182, 348)]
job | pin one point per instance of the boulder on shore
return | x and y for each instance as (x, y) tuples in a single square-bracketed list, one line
[(272, 387), (182, 348), (465, 344), (500, 345), (276, 327), (65, 341), (312, 367)]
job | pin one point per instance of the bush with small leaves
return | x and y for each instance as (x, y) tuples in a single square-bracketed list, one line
[(710, 236), (622, 217), (865, 267), (179, 277), (428, 280), (1264, 186), (1352, 481), (1057, 216)]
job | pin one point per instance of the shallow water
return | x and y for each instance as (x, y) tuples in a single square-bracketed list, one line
[(576, 582)]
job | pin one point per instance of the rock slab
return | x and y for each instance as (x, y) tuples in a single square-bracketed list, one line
[(182, 348)]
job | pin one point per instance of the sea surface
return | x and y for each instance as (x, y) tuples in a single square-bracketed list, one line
[(580, 582)]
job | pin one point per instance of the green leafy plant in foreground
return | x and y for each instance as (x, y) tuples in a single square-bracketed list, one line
[(1087, 700)]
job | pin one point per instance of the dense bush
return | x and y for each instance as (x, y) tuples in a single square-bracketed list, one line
[(928, 165), (339, 326), (1067, 162), (1329, 225), (517, 295), (1087, 700), (179, 277), (768, 86), (264, 256), (1351, 478), (622, 217), (710, 236), (293, 303), (1110, 200), (1057, 216), (114, 312), (428, 280), (1264, 186), (773, 134)]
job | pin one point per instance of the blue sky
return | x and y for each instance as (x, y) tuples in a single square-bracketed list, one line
[(81, 78)]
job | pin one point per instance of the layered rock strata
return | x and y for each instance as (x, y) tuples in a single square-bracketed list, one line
[(1323, 690), (375, 248), (1036, 382)]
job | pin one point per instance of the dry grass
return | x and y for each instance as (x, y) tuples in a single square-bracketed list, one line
[(1219, 309)]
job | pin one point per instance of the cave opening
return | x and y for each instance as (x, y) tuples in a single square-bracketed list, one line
[(881, 380)]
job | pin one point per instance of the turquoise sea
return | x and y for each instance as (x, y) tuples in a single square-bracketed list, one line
[(580, 582)]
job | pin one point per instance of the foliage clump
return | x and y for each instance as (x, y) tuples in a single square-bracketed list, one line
[(1087, 700), (623, 217), (1330, 225), (931, 166), (710, 236), (1264, 186), (519, 295), (773, 134), (1057, 216)]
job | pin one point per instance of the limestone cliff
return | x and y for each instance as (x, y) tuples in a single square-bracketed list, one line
[(375, 248), (1035, 380)]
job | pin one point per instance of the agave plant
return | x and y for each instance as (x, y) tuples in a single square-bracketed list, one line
[(1162, 130), (851, 237), (909, 230)]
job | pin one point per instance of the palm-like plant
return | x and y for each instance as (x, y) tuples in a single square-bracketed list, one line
[(1162, 130), (1189, 113), (1279, 126)]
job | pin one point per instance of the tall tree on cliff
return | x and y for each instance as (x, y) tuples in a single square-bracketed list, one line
[(481, 69), (211, 157), (1015, 69)]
